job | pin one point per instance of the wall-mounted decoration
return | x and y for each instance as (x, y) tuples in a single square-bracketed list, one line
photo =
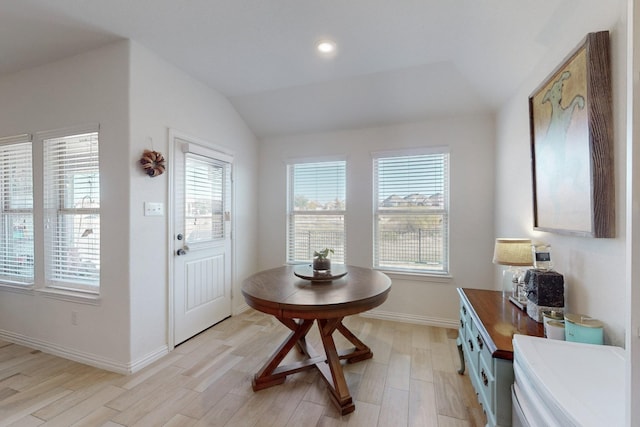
[(570, 119), (152, 162)]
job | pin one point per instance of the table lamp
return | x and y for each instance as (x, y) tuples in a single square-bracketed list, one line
[(513, 253)]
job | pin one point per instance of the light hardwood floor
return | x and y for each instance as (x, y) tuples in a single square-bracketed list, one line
[(206, 381)]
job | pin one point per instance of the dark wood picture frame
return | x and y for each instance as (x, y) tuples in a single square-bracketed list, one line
[(571, 127)]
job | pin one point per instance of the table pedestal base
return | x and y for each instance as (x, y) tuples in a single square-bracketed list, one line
[(328, 364)]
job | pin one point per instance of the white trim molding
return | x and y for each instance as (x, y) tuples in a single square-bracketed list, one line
[(412, 318), (241, 309), (86, 358)]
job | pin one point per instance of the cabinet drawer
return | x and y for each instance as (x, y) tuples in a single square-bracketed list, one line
[(485, 354), (486, 387), (464, 317), (462, 328), (471, 360), (464, 313), (471, 348)]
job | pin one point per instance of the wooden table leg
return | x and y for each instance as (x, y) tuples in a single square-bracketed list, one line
[(361, 352), (336, 381), (270, 374), (328, 364)]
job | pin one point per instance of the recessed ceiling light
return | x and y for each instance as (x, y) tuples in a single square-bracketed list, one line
[(326, 46)]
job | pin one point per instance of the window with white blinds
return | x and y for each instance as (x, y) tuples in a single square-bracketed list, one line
[(316, 210), (411, 199), (16, 216), (207, 182), (72, 212)]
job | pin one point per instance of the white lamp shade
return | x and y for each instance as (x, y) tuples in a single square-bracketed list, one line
[(516, 252)]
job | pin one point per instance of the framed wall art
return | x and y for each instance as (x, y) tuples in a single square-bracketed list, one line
[(570, 119)]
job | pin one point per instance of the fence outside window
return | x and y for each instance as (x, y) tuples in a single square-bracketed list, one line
[(397, 249)]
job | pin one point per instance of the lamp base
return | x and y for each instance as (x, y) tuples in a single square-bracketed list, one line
[(522, 305), (510, 282)]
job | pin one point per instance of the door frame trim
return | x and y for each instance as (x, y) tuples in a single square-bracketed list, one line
[(199, 146)]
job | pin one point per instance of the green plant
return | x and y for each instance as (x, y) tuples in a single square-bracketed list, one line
[(323, 254)]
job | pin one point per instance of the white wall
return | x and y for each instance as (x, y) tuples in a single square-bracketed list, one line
[(85, 89), (135, 97), (163, 97), (471, 141), (594, 269)]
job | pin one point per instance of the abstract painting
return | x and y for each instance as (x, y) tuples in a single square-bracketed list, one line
[(570, 116)]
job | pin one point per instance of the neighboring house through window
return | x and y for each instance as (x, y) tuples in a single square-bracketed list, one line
[(316, 208), (411, 211)]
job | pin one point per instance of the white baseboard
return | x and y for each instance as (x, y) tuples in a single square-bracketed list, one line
[(83, 357), (412, 318), (159, 353), (244, 307), (134, 366)]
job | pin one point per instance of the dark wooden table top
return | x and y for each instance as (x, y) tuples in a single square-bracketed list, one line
[(281, 293), (501, 320)]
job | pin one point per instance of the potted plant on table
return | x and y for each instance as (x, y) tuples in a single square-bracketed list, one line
[(321, 260)]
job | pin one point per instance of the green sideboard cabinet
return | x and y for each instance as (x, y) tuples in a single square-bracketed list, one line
[(488, 321)]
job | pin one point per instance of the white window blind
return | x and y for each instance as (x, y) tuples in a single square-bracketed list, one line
[(206, 182), (16, 194), (72, 212), (316, 210), (411, 212)]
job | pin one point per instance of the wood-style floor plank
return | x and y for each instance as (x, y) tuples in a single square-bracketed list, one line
[(422, 404), (84, 408), (449, 403), (206, 381), (373, 383), (421, 364), (394, 410)]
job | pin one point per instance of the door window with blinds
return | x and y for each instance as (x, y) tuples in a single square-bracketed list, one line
[(207, 184), (16, 220), (411, 200), (72, 211), (316, 209)]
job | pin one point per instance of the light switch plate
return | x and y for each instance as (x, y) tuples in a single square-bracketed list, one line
[(153, 209)]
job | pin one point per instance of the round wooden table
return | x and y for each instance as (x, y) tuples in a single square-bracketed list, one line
[(298, 303)]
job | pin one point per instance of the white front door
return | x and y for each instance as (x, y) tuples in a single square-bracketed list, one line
[(201, 238)]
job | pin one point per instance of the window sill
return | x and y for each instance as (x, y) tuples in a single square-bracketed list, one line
[(71, 296), (418, 277)]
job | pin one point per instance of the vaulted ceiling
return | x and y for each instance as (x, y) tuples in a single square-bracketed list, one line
[(396, 60)]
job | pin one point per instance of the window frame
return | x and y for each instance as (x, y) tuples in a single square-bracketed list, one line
[(443, 211), (8, 211), (63, 289), (217, 216), (340, 253)]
